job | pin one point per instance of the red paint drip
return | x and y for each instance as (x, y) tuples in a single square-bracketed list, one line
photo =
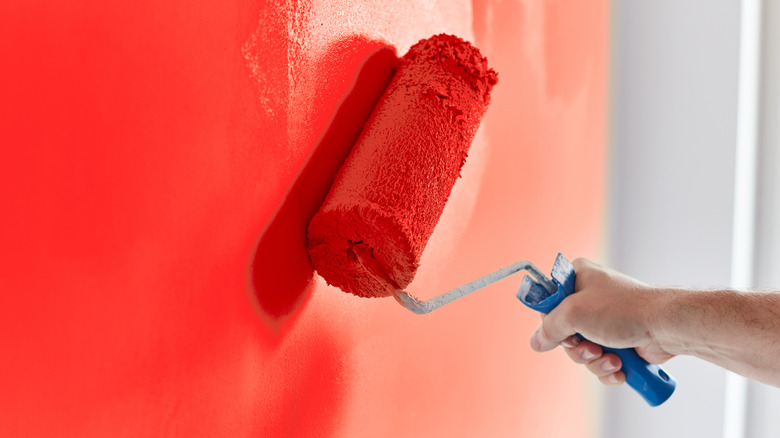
[(389, 195)]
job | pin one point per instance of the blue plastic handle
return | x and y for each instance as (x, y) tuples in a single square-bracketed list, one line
[(651, 381)]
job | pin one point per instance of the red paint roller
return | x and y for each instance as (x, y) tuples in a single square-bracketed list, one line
[(369, 234)]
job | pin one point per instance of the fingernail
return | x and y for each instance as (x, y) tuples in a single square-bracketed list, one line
[(608, 366), (588, 355), (612, 379), (571, 341)]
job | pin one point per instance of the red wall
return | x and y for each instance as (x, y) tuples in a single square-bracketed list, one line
[(160, 162)]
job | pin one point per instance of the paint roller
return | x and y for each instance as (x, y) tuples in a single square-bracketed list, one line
[(369, 234)]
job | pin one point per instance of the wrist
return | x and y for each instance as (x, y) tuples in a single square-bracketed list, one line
[(683, 322), (666, 321)]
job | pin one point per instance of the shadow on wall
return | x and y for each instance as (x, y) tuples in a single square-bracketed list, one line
[(281, 271)]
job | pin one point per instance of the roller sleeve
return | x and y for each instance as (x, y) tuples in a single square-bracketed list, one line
[(390, 192)]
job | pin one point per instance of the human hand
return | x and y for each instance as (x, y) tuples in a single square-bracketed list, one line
[(607, 308)]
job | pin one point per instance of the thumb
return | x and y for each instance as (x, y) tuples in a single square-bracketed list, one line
[(550, 334)]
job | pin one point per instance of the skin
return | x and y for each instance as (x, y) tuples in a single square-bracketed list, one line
[(739, 331)]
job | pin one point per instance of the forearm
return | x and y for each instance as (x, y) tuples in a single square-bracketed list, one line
[(735, 330)]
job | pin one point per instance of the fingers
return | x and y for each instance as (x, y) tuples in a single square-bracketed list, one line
[(616, 378), (583, 352), (605, 366)]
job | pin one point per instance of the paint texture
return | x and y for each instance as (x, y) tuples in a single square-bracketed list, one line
[(281, 270), (391, 191)]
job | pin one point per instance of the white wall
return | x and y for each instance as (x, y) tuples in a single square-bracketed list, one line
[(673, 131), (763, 402)]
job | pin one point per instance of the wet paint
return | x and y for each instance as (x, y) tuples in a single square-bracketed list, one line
[(149, 146), (282, 274), (389, 195)]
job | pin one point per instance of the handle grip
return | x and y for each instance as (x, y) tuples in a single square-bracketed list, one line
[(651, 381)]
